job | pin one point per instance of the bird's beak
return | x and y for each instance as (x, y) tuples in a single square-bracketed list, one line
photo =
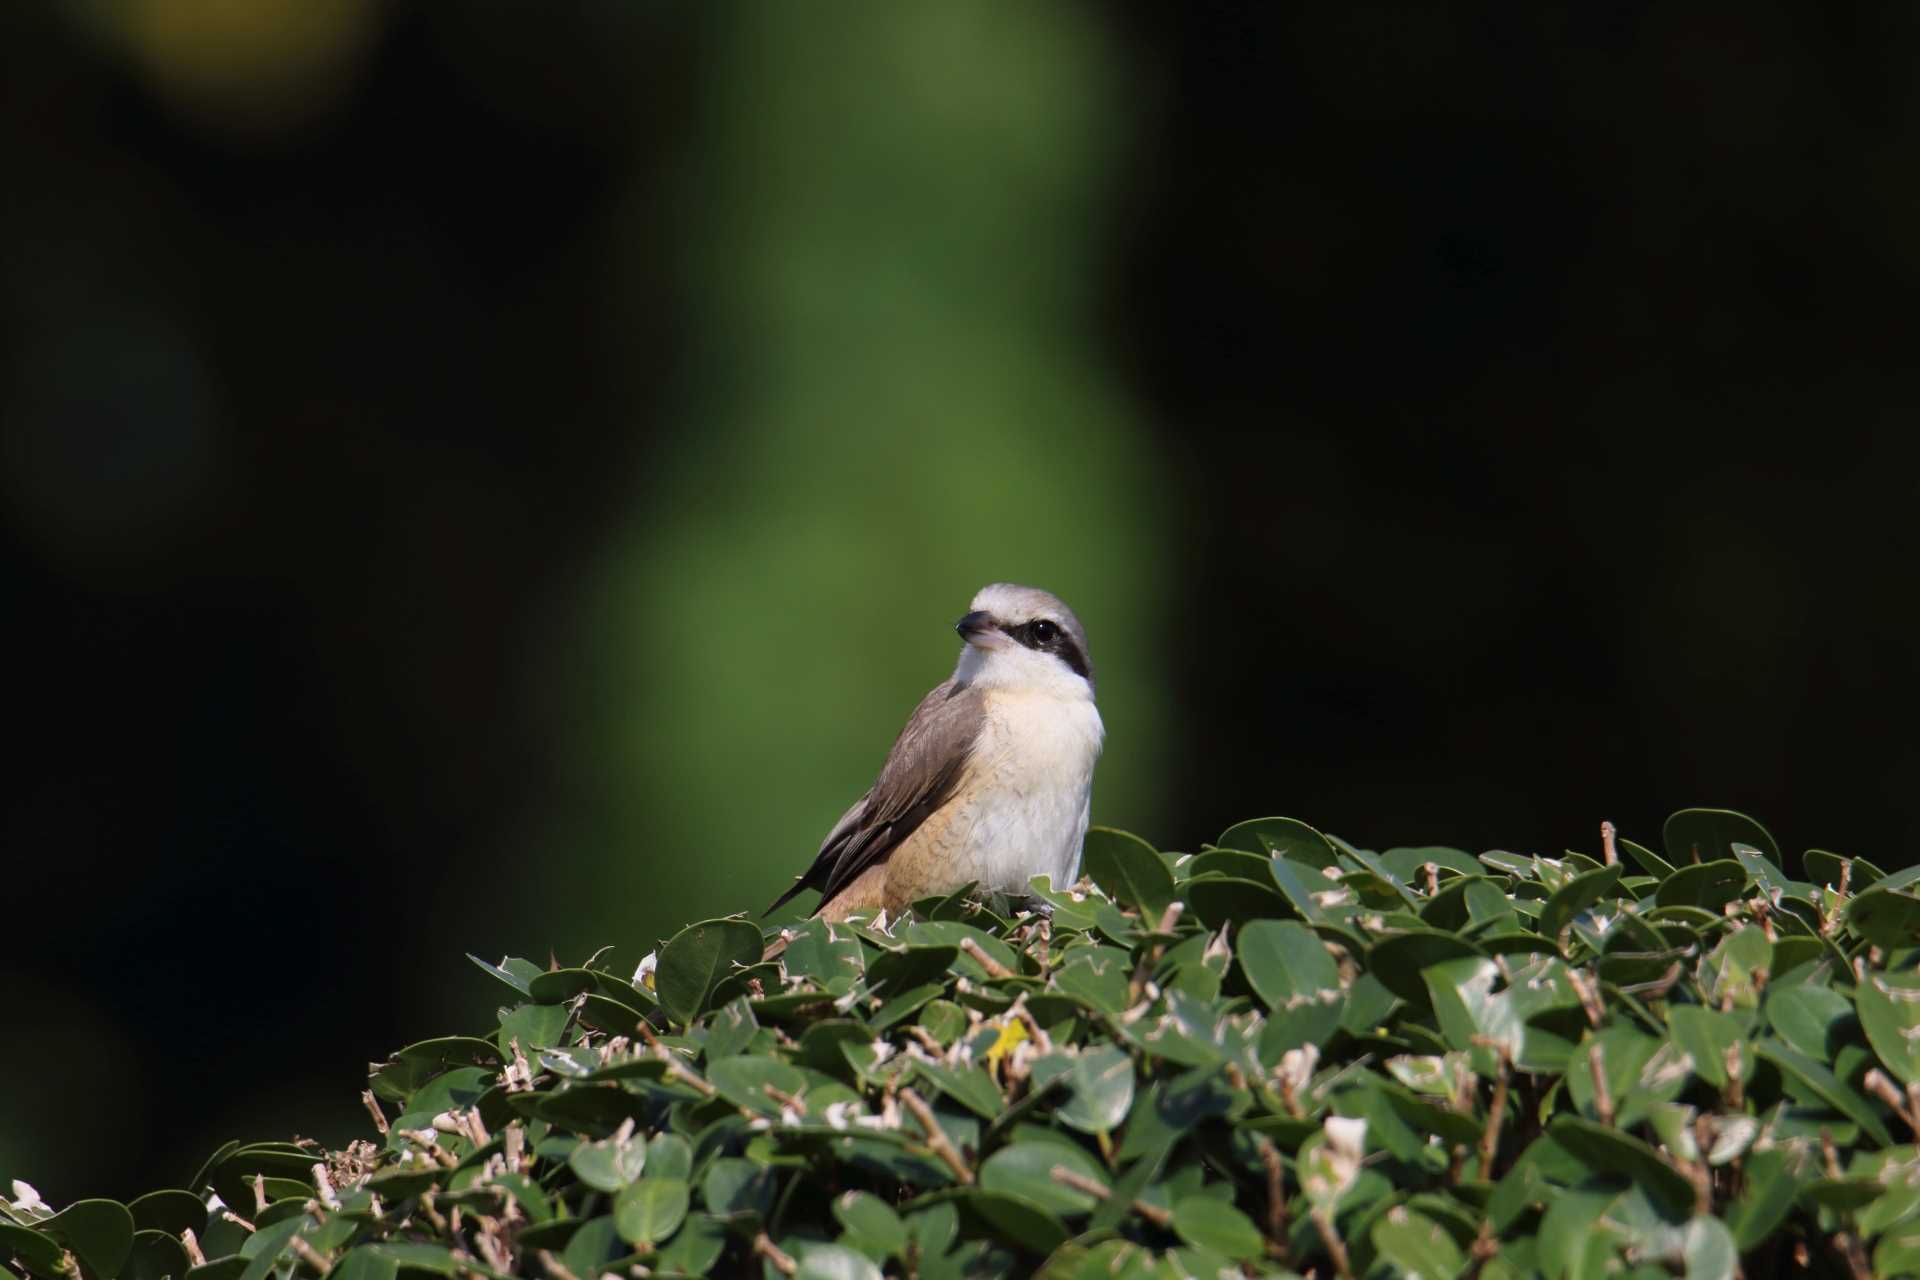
[(981, 630)]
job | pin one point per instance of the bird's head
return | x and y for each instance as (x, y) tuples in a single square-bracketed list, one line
[(1023, 639)]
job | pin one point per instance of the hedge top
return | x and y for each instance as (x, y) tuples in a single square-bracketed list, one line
[(1280, 1054)]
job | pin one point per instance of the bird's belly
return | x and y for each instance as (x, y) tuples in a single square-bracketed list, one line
[(1016, 836), (1029, 809)]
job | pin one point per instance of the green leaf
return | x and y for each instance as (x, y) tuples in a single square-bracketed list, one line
[(1226, 862), (1843, 1194), (1207, 1223), (1281, 837), (1830, 869), (1709, 1250), (650, 1210), (1288, 965), (971, 1087), (170, 1211), (1019, 1220), (609, 1165), (264, 1248), (1649, 861), (1811, 1018), (1708, 886), (100, 1233), (1576, 896), (694, 1249), (1230, 900), (893, 972), (1025, 1169), (738, 1188), (670, 1156), (1102, 1085), (744, 1079), (874, 1222), (1416, 1245), (1129, 870), (946, 1021), (591, 1248), (731, 1029), (534, 1026), (1706, 1035), (1826, 1087), (365, 1263), (1611, 1151), (1889, 1005), (835, 1262), (1398, 960), (155, 1256), (557, 986), (1888, 918), (1097, 975), (35, 1251), (515, 972), (698, 957), (1898, 1253), (1298, 883), (1730, 972), (1461, 993), (935, 936), (1707, 835), (1409, 862)]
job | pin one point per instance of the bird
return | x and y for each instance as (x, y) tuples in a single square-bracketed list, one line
[(991, 781)]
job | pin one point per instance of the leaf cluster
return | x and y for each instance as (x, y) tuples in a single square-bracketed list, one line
[(1281, 1054)]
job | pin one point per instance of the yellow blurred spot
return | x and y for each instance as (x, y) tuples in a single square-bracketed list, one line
[(1010, 1035), (250, 64)]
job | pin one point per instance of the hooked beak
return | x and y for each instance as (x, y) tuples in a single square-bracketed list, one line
[(981, 630)]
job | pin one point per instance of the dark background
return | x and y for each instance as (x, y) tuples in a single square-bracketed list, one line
[(485, 477)]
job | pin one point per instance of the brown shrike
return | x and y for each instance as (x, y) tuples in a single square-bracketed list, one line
[(991, 781)]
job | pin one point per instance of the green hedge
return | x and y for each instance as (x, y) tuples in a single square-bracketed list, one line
[(1280, 1054)]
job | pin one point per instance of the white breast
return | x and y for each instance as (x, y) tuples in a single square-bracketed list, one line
[(1033, 789)]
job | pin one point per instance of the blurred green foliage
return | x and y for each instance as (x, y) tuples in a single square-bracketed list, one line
[(892, 399)]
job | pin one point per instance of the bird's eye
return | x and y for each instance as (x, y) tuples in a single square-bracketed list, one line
[(1044, 632)]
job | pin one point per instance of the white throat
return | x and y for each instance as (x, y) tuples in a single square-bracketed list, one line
[(1013, 668)]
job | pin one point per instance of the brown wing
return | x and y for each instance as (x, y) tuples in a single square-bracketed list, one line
[(920, 775)]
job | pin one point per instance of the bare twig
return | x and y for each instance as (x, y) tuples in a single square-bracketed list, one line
[(554, 1268), (311, 1256), (1589, 998), (192, 1244), (373, 1109), (779, 1259), (1658, 988), (1168, 920), (1881, 1086), (937, 1141), (1099, 1190), (1485, 1249), (1609, 849), (1602, 1096), (1496, 1115), (980, 957), (675, 1068), (1276, 1191), (1336, 1247)]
